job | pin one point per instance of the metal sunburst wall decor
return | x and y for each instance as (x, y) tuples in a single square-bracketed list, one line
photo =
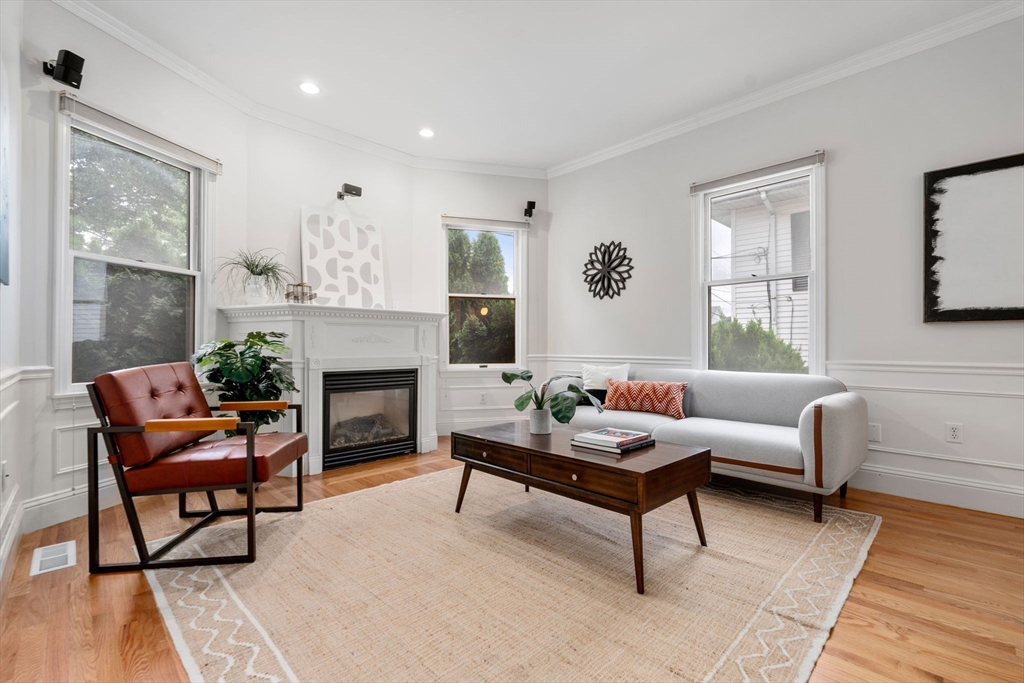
[(607, 270)]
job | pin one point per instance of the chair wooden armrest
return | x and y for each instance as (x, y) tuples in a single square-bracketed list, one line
[(192, 424), (252, 405)]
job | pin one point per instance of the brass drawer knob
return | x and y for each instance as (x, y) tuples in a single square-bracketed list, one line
[(574, 477)]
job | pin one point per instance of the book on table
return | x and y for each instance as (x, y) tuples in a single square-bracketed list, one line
[(611, 437), (612, 450)]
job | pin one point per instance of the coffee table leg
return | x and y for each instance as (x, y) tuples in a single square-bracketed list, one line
[(636, 525), (527, 488), (466, 471), (692, 497)]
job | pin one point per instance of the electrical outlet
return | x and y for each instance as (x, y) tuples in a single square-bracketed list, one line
[(483, 398), (954, 432), (874, 432)]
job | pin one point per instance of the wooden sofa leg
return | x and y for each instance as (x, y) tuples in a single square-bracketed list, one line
[(818, 498), (842, 490)]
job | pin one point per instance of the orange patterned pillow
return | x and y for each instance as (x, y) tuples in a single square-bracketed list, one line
[(665, 398)]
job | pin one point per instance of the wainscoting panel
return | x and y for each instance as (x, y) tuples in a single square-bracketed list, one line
[(913, 402)]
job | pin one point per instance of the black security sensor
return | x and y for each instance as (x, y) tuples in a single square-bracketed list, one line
[(350, 191), (66, 69), (530, 206)]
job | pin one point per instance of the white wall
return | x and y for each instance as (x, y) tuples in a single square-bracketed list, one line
[(269, 172), (882, 129)]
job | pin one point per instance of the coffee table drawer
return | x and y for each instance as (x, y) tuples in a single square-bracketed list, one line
[(584, 477), (489, 454)]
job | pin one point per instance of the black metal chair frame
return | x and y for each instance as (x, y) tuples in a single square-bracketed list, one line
[(151, 559)]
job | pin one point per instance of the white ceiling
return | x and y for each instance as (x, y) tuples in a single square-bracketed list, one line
[(530, 84)]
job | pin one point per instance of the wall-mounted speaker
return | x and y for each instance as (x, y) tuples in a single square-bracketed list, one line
[(66, 69)]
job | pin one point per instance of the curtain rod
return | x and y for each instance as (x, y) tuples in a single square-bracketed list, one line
[(76, 109), (446, 217), (816, 158)]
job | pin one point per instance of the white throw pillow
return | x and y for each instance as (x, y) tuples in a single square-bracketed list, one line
[(597, 376)]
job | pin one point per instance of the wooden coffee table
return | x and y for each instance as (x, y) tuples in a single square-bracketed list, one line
[(633, 484)]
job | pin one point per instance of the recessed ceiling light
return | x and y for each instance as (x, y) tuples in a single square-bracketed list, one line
[(311, 88), (427, 133)]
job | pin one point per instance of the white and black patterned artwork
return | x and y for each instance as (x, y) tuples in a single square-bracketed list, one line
[(342, 256), (974, 241)]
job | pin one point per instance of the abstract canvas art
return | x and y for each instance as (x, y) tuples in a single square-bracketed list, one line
[(342, 256), (974, 241)]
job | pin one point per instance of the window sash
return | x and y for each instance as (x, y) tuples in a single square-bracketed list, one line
[(517, 295), (66, 255), (701, 203)]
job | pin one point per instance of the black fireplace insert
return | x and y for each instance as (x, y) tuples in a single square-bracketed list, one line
[(368, 415)]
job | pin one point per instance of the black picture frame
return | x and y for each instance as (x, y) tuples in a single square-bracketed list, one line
[(932, 312)]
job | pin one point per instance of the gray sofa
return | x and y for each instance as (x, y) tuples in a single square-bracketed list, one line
[(802, 432)]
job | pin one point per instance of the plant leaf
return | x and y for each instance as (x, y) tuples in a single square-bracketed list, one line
[(563, 407), (586, 394), (524, 400), (509, 377)]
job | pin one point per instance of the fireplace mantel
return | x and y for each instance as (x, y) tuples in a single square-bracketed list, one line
[(334, 338)]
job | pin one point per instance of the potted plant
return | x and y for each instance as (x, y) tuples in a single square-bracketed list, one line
[(560, 405), (248, 370), (261, 274)]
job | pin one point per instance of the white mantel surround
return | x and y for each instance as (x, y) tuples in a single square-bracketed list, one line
[(333, 338)]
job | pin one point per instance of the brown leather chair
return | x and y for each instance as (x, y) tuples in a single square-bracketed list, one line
[(152, 419)]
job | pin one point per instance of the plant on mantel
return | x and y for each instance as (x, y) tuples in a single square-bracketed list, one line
[(249, 370), (261, 274), (560, 405)]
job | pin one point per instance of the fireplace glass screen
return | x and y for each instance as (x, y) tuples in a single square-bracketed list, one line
[(368, 415), (369, 418)]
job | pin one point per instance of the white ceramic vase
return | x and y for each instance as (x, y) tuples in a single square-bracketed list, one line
[(540, 421), (255, 292)]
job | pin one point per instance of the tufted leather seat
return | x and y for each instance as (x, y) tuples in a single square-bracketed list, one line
[(213, 463)]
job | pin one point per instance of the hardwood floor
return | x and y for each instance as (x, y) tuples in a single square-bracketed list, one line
[(940, 598)]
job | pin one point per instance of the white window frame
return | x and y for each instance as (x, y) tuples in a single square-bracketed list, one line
[(201, 186), (701, 206), (520, 270)]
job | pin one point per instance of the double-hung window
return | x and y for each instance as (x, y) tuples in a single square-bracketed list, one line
[(484, 295), (129, 263), (760, 274)]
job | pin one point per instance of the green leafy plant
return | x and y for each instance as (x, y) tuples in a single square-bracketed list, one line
[(248, 370), (752, 348), (562, 403), (255, 265)]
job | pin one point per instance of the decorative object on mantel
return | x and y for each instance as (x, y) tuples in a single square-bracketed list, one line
[(560, 405), (248, 370), (342, 255), (261, 274), (299, 293), (974, 241), (607, 270)]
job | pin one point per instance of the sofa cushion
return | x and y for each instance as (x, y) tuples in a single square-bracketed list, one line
[(587, 418), (766, 398), (739, 444), (655, 374), (663, 398), (597, 376)]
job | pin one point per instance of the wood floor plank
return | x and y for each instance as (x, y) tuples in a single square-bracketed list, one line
[(940, 598)]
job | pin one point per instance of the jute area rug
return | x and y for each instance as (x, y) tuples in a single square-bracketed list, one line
[(389, 584)]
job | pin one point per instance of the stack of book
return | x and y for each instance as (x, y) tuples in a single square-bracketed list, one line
[(608, 440)]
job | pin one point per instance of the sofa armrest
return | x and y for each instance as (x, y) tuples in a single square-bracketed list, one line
[(833, 439)]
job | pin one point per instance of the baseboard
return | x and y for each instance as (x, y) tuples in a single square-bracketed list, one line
[(9, 546), (972, 494), (446, 427), (61, 506)]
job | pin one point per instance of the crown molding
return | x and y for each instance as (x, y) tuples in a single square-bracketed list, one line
[(937, 35), (88, 12)]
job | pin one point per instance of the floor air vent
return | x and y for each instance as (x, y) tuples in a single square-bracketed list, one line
[(52, 557)]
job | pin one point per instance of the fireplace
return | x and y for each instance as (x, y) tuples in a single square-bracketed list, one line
[(368, 415)]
